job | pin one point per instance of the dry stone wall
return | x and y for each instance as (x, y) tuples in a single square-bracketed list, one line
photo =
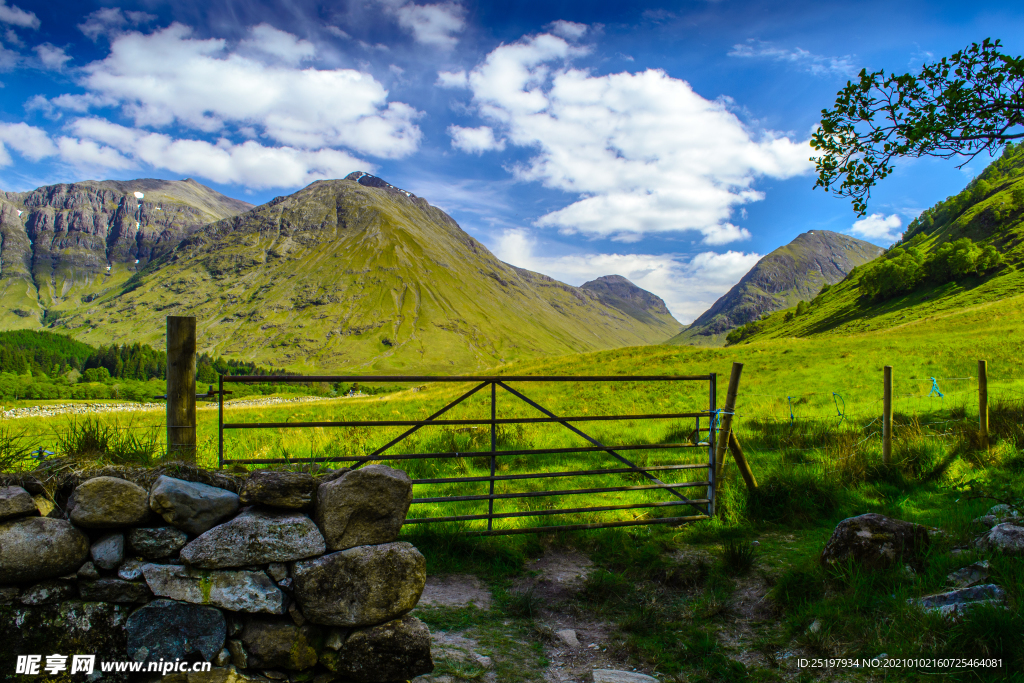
[(277, 576)]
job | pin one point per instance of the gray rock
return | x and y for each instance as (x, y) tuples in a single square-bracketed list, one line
[(113, 590), (296, 614), (568, 637), (874, 541), (953, 604), (256, 537), (238, 591), (16, 502), (278, 571), (999, 514), (155, 543), (280, 645), (131, 570), (48, 593), (615, 676), (223, 658), (105, 502), (34, 548), (971, 575), (1005, 538), (170, 630), (88, 571), (288, 490), (394, 651), (239, 657), (191, 506), (108, 551), (363, 507), (360, 586)]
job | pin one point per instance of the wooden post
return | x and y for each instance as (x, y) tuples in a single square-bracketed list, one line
[(726, 428), (181, 388), (741, 461), (983, 402), (887, 414)]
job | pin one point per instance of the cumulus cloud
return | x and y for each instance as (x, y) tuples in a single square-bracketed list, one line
[(434, 25), (819, 65), (14, 15), (643, 151), (30, 142), (689, 286), (878, 227), (167, 77), (475, 140), (51, 56)]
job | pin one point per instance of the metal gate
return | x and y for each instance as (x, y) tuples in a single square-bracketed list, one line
[(699, 507)]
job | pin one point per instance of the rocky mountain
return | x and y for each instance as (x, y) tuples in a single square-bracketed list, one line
[(790, 274), (357, 274), (62, 245)]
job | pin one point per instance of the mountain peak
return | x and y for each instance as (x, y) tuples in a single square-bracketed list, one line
[(620, 293), (367, 180)]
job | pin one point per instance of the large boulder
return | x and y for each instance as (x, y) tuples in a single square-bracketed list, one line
[(106, 502), (366, 506), (191, 506), (16, 502), (360, 586), (113, 590), (155, 543), (170, 630), (395, 651), (288, 490), (281, 645), (256, 537), (1007, 538), (35, 548), (108, 551), (238, 591), (874, 541)]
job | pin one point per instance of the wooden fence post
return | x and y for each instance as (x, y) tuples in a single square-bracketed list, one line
[(726, 425), (887, 415), (181, 388), (983, 402)]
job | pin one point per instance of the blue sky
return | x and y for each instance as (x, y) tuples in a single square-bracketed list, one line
[(666, 142)]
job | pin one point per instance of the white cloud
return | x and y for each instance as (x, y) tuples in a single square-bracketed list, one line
[(29, 141), (110, 21), (89, 154), (12, 14), (644, 151), (452, 79), (688, 286), (819, 65), (51, 56), (434, 25), (280, 44), (167, 77), (878, 227), (475, 140), (567, 29)]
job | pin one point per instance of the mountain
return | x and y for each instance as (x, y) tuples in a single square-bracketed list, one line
[(65, 244), (790, 274), (965, 252), (357, 274)]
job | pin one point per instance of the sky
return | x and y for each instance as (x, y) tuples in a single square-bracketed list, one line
[(664, 142)]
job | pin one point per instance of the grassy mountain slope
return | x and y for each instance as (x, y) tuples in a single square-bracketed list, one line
[(65, 244), (988, 212), (792, 273), (356, 274)]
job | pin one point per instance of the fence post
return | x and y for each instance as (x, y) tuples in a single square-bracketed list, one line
[(181, 388), (887, 414), (726, 429), (983, 402)]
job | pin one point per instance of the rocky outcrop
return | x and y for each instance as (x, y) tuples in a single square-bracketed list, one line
[(366, 506), (191, 506), (34, 548), (256, 537), (874, 541)]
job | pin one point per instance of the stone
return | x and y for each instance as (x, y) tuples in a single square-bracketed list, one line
[(239, 657), (568, 636), (223, 658), (366, 506), (288, 490), (106, 502), (615, 676), (35, 548), (114, 590), (971, 575), (336, 638), (394, 651), (45, 506), (256, 537), (874, 541), (238, 591), (88, 571), (191, 506), (360, 586), (281, 645), (108, 551), (16, 502), (131, 570), (1006, 538), (954, 604), (169, 630), (999, 514), (296, 614), (278, 571), (155, 543), (8, 594), (48, 593)]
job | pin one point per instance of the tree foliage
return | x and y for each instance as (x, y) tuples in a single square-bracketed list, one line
[(962, 105), (903, 270)]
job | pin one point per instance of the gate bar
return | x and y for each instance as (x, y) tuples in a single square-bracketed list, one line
[(449, 423), (538, 513), (460, 378), (542, 475)]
